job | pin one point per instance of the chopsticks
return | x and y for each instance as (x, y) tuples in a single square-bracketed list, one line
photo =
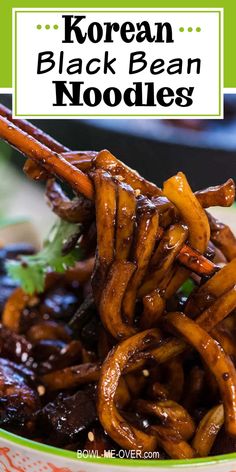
[(32, 130), (52, 161), (45, 152)]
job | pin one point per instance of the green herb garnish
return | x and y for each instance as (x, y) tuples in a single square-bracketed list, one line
[(56, 255), (187, 288)]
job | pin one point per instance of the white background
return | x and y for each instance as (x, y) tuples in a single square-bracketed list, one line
[(36, 93)]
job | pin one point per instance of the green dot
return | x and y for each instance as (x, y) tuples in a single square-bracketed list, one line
[(198, 29), (39, 27), (47, 26), (190, 29), (55, 27), (181, 29)]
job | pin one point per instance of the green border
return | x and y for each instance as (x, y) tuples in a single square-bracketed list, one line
[(220, 93), (41, 448)]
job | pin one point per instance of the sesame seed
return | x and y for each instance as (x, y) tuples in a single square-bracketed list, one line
[(91, 436), (120, 178), (41, 390), (146, 373)]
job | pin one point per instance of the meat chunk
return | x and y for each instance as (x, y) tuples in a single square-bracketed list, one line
[(19, 398), (69, 416), (59, 304), (15, 347)]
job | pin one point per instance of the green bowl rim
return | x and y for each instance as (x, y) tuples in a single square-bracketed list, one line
[(42, 448)]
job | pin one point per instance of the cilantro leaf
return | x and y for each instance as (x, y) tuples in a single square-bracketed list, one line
[(187, 288), (56, 255)]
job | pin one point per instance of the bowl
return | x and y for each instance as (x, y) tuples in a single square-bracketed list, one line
[(21, 455)]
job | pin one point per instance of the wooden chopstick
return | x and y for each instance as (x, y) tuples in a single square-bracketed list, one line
[(52, 161), (195, 261), (32, 130), (31, 167)]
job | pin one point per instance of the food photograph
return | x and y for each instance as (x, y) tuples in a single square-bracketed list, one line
[(118, 294)]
